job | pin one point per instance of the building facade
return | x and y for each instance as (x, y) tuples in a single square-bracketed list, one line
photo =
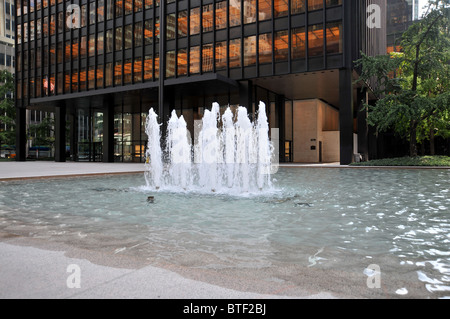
[(101, 65)]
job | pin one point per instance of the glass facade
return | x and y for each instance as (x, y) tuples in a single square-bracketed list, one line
[(116, 44)]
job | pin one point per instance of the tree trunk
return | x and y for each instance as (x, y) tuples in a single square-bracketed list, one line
[(413, 139), (432, 151)]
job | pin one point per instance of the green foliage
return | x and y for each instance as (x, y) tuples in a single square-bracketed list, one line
[(408, 161), (412, 87), (41, 132), (7, 108)]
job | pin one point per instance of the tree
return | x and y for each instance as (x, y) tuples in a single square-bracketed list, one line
[(7, 109), (412, 87)]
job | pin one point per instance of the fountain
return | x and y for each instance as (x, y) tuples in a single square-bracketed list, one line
[(231, 154)]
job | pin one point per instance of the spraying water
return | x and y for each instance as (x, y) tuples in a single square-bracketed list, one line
[(231, 154)]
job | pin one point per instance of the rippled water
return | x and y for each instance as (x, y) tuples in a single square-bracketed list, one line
[(329, 218)]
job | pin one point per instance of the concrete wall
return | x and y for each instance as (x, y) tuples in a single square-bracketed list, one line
[(315, 122)]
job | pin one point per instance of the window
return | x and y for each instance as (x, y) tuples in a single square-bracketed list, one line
[(298, 43), (92, 44), (315, 4), (265, 9), (137, 70), (91, 77), (118, 73), (148, 73), (83, 47), (92, 13), (100, 11), (221, 15), (221, 55), (148, 32), (207, 58), (127, 74), (138, 34), (330, 3), (128, 36), (315, 40), (99, 77), (109, 9), (100, 45), (108, 74), (280, 8), (207, 18), (194, 60), (171, 24), (235, 53), (182, 62), (194, 21), (250, 50), (137, 5), (170, 64), (119, 8), (249, 11), (235, 13), (281, 45), (334, 37), (118, 40), (182, 24), (265, 48), (109, 41)]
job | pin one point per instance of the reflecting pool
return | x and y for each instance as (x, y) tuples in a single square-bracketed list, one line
[(319, 228)]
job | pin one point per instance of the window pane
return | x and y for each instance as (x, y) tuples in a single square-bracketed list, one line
[(118, 42), (182, 62), (315, 40), (108, 74), (250, 50), (148, 74), (148, 32), (127, 71), (298, 43), (235, 53), (265, 9), (128, 6), (265, 48), (249, 11), (194, 60), (100, 45), (330, 3), (170, 64), (281, 8), (207, 58), (182, 23), (194, 21), (128, 36), (137, 69), (235, 13), (171, 23), (221, 55), (315, 4), (138, 34), (281, 45), (221, 15), (207, 18), (334, 37)]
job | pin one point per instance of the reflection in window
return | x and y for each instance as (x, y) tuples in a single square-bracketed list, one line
[(265, 9), (221, 55), (74, 81), (194, 60), (315, 4), (194, 21), (100, 45), (128, 6), (99, 76), (83, 78), (148, 32), (334, 37), (148, 73), (182, 62), (170, 29), (108, 74), (170, 64), (221, 15), (207, 17), (127, 71), (100, 11), (128, 36), (207, 58), (298, 43), (118, 42), (265, 48), (91, 78), (250, 50), (119, 8), (83, 47), (137, 70), (92, 13), (118, 73), (109, 41), (280, 8), (315, 40), (249, 11), (281, 45), (92, 45), (182, 23), (235, 53), (138, 34), (137, 5), (109, 9), (330, 3), (235, 12)]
